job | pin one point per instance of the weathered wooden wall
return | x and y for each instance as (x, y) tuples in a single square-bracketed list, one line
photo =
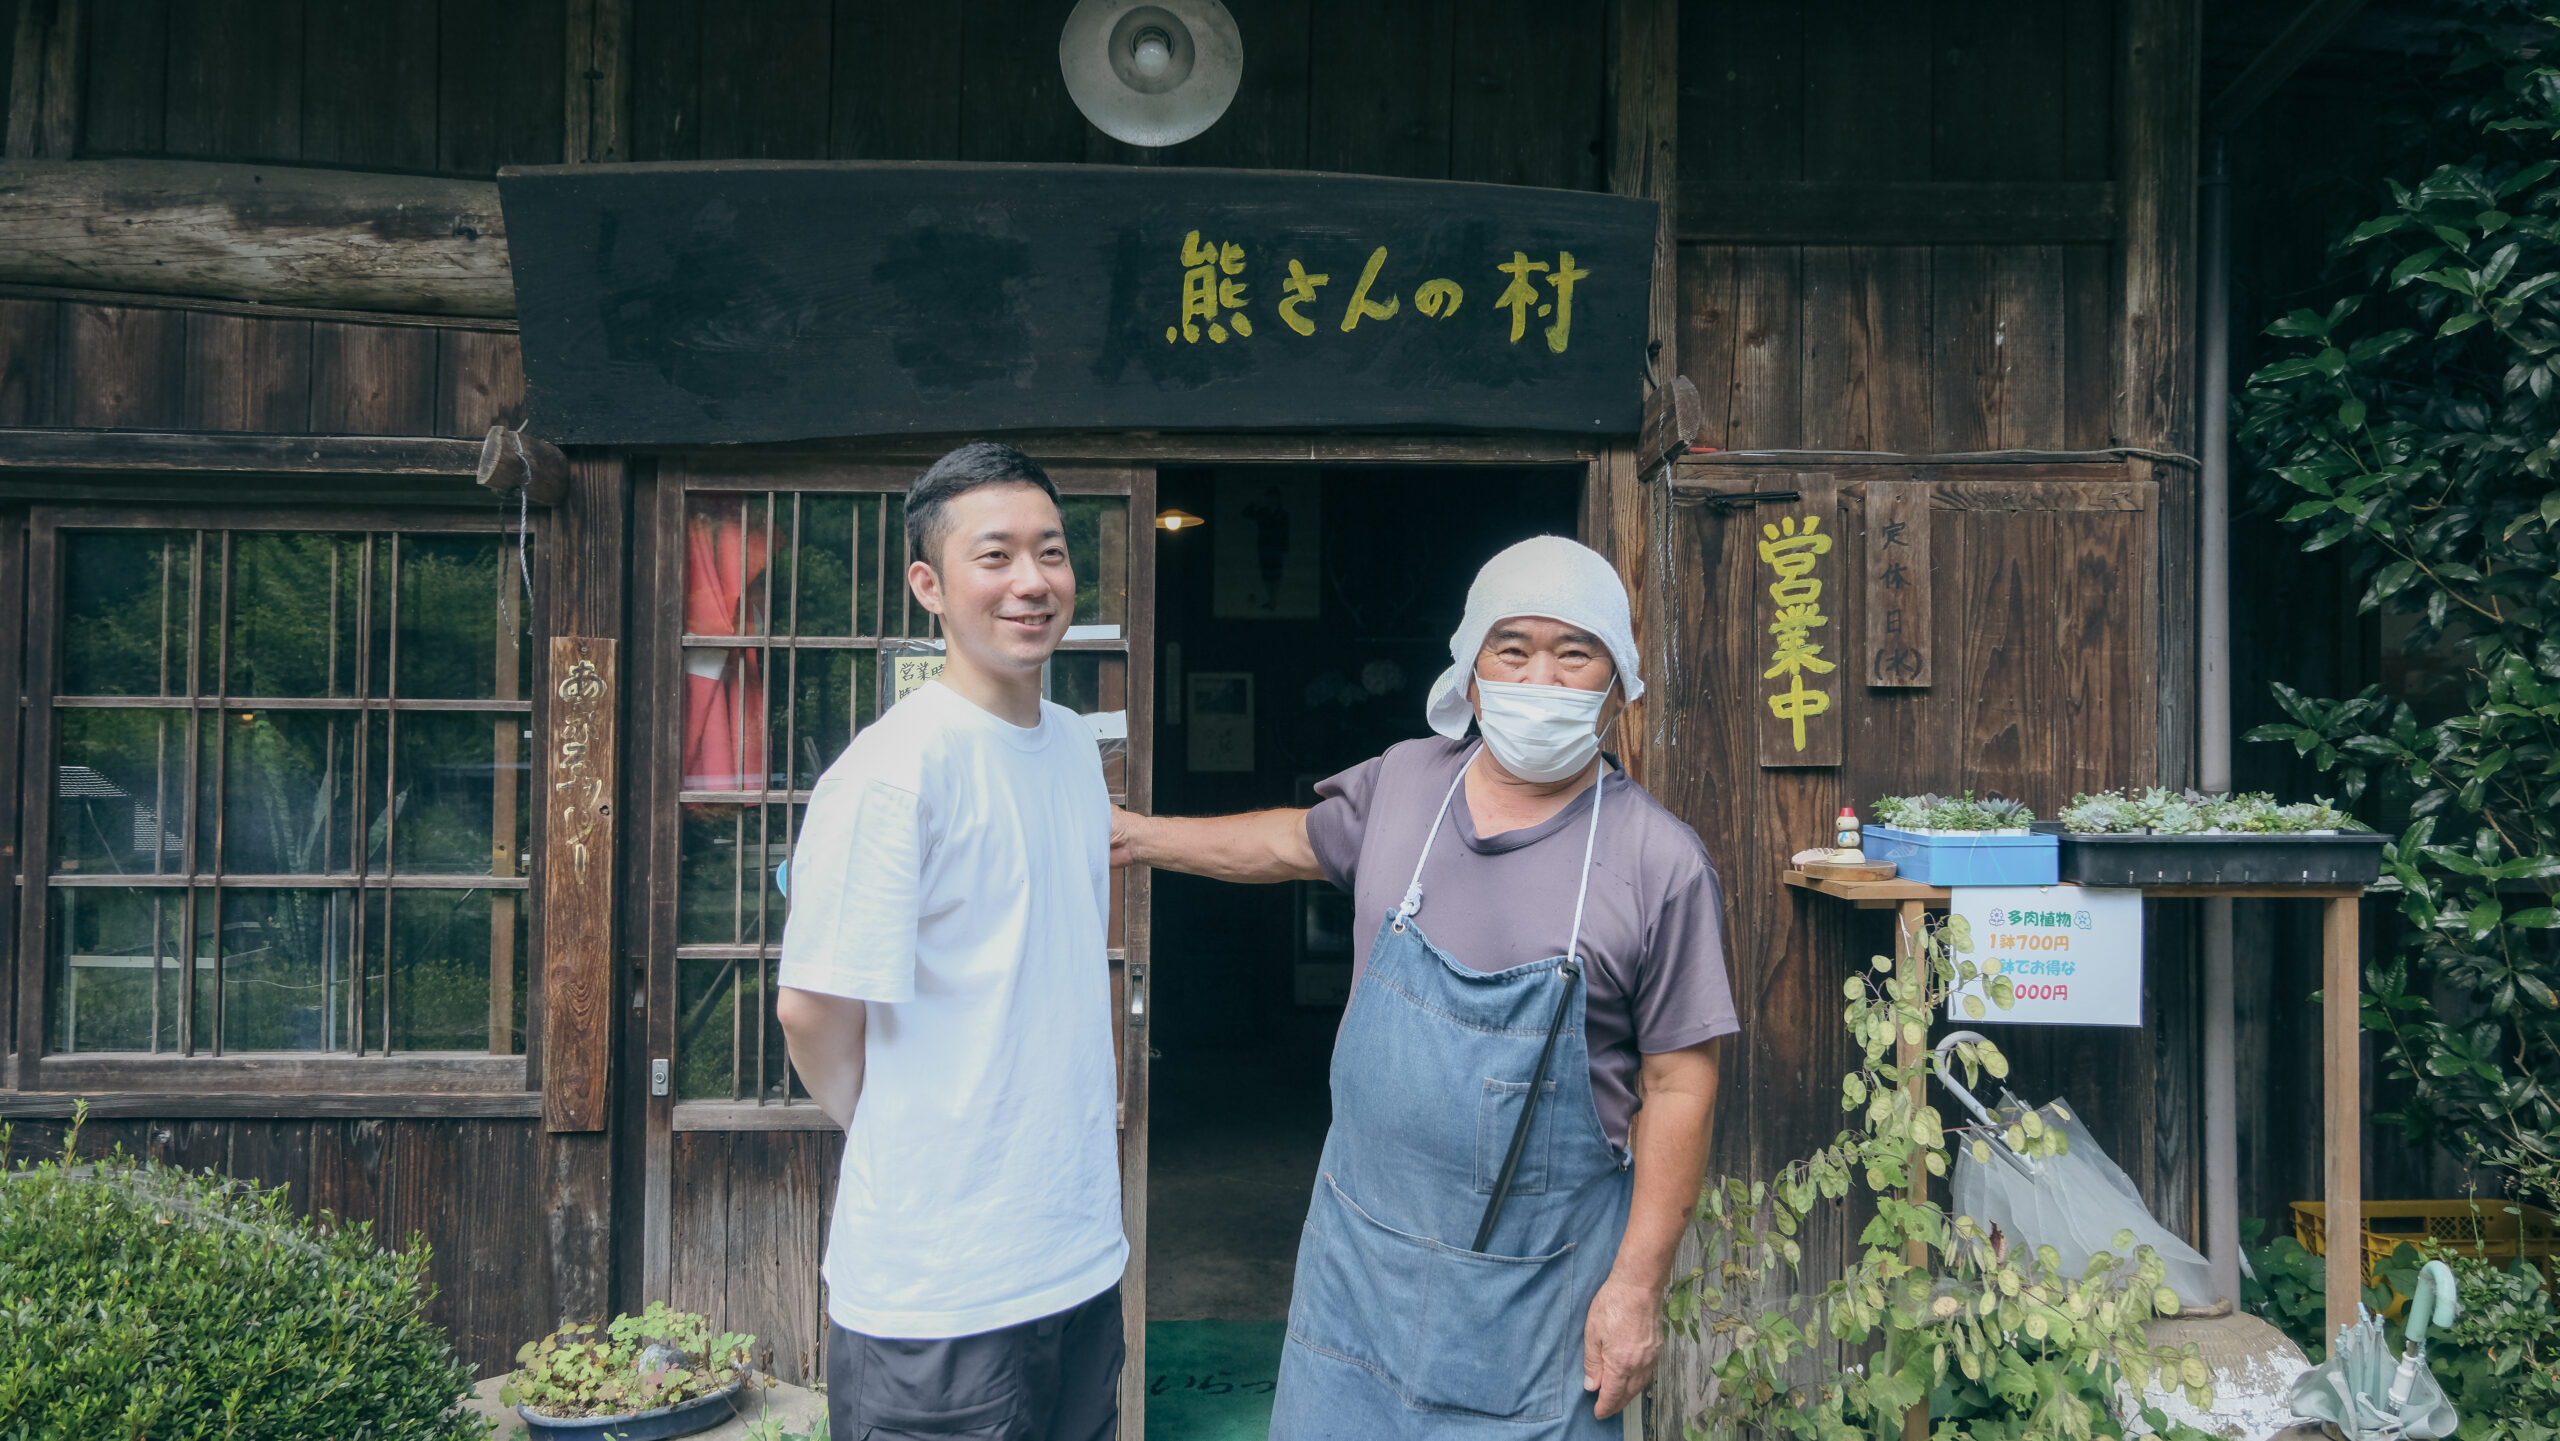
[(749, 1221)]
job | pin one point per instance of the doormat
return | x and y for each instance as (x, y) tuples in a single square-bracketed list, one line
[(1212, 1380)]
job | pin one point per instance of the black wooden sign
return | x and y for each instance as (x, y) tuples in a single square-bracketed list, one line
[(758, 301)]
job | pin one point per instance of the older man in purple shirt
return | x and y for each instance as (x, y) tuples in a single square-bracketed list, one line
[(1491, 1224)]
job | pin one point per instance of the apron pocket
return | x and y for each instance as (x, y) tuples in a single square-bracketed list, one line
[(1497, 1118), (1446, 1329)]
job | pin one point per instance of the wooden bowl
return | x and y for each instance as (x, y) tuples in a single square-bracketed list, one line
[(1851, 870)]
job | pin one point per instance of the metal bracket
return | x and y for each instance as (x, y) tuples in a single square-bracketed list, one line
[(658, 1075), (1737, 499)]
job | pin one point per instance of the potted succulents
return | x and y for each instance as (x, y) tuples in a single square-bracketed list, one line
[(1961, 841), (658, 1374), (2163, 837)]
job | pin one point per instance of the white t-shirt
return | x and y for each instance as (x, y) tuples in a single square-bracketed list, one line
[(953, 873)]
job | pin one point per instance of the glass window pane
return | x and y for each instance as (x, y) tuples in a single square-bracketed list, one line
[(706, 1001), (726, 581), (1098, 544), (285, 968), (442, 943), (1095, 684), (725, 892), (287, 777), (724, 719), (451, 589), (125, 595), (120, 791), (115, 963), (829, 689), (457, 808), (293, 613), (822, 567)]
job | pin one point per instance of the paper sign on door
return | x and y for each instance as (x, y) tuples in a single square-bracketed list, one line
[(2073, 955)]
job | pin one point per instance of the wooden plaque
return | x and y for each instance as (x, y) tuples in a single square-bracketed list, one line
[(1801, 668), (578, 858), (1897, 555)]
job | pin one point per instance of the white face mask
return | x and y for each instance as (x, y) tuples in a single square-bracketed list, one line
[(1540, 732)]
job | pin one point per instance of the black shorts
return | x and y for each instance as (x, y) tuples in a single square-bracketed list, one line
[(1053, 1379)]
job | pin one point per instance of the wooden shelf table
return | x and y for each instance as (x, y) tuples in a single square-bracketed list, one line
[(2342, 1081)]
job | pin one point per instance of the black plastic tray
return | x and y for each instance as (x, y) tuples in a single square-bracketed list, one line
[(2350, 858)]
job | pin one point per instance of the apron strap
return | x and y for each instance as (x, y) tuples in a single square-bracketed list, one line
[(1413, 889), (1569, 973)]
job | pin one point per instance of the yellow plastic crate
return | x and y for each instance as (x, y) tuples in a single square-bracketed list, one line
[(2496, 1229)]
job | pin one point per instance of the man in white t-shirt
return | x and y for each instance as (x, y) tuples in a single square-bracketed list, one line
[(947, 1001)]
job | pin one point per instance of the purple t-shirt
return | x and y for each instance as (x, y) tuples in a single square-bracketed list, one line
[(1652, 931)]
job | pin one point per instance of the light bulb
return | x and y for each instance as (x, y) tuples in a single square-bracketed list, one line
[(1152, 52)]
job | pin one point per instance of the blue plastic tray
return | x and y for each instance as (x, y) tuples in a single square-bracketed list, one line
[(1968, 860)]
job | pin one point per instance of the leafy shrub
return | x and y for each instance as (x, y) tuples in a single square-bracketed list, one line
[(2287, 1287), (1934, 812), (2417, 426), (2499, 1361), (657, 1358), (142, 1301)]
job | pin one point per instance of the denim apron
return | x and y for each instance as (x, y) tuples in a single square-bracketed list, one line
[(1401, 1326)]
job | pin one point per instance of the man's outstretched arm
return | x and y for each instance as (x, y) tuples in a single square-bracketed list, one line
[(1255, 848), (824, 1035)]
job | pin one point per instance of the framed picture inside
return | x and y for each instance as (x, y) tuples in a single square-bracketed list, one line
[(1221, 712), (1268, 556)]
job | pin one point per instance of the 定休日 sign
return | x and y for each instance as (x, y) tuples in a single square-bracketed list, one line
[(763, 301), (2072, 955)]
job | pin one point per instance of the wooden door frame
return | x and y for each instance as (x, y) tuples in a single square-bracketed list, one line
[(1082, 462)]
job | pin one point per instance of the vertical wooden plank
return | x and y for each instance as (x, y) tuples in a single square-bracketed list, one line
[(1991, 601), (346, 1173), (2341, 1108), (1138, 945), (30, 356), (765, 81), (577, 961), (1013, 98), (13, 601), (1804, 672), (1896, 546), (1866, 348), (2089, 280), (499, 84), (479, 381), (774, 1246), (131, 365), (1710, 300), (235, 80), (1996, 90), (369, 84), (1964, 332), (1742, 75), (698, 1266), (372, 379), (45, 74), (2027, 332), (247, 373), (1628, 514), (1527, 96), (1379, 87), (897, 82), (658, 533), (666, 77), (1768, 362), (572, 1193), (2088, 88), (276, 1155), (596, 86), (1866, 100), (124, 95)]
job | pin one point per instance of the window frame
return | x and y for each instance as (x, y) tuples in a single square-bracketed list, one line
[(387, 1081)]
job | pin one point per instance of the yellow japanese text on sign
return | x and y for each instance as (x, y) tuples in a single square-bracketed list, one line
[(1792, 549), (1215, 295)]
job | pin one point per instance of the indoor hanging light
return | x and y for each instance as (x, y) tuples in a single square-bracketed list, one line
[(1178, 520)]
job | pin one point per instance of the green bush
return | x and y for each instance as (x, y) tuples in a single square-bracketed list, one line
[(141, 1301), (2499, 1361)]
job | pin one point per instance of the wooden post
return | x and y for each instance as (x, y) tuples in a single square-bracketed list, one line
[(578, 867), (1914, 970), (511, 460), (2342, 1109)]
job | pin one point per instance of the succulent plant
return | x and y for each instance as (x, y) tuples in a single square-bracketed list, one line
[(1933, 812), (2179, 813)]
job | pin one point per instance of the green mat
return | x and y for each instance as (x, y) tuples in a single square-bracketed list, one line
[(1212, 1380)]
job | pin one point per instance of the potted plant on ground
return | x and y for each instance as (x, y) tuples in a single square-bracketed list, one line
[(2163, 837), (658, 1374), (1961, 841)]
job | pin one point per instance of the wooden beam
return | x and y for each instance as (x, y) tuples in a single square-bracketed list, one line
[(279, 234), (1673, 416), (206, 453), (208, 305), (2342, 1108), (281, 1105), (1625, 518), (215, 1075), (511, 460), (1931, 212), (2315, 26), (577, 885)]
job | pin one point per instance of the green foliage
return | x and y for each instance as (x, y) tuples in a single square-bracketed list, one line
[(142, 1301), (2499, 1362), (1934, 812), (2417, 426), (2166, 812), (2287, 1287), (657, 1358), (2028, 1352), (770, 1427)]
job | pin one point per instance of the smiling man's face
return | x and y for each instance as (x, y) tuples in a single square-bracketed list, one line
[(1004, 587)]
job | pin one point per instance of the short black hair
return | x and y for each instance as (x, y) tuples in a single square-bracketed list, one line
[(979, 463)]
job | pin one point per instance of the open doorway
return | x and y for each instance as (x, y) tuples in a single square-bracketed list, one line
[(1302, 614)]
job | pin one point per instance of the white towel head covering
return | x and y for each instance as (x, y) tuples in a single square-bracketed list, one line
[(1545, 575)]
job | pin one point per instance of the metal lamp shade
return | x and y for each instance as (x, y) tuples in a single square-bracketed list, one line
[(1203, 61)]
